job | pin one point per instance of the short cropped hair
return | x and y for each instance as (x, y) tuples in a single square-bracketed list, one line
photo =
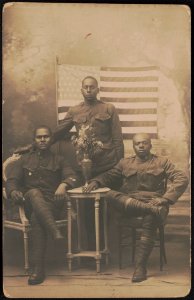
[(90, 77), (40, 127), (146, 135)]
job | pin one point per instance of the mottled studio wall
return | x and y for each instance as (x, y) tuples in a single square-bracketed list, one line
[(120, 35)]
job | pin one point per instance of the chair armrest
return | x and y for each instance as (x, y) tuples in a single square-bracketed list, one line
[(22, 214)]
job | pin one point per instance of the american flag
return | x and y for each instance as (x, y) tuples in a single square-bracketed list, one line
[(132, 90)]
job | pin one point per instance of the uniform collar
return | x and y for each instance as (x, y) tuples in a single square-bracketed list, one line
[(91, 103), (42, 153), (143, 160)]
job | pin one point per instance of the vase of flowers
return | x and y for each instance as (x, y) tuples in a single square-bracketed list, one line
[(86, 148), (86, 165)]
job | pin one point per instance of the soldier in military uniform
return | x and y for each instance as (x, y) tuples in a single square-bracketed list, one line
[(143, 192), (105, 121), (39, 179)]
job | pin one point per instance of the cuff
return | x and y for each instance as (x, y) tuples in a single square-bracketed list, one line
[(169, 199), (71, 182)]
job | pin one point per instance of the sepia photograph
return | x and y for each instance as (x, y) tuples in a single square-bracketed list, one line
[(96, 162)]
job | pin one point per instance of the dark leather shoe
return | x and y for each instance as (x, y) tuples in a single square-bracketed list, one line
[(139, 274), (36, 277)]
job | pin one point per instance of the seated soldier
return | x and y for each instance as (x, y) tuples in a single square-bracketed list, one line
[(39, 180), (143, 193)]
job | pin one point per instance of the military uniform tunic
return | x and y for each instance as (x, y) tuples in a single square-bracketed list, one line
[(105, 121), (147, 179), (44, 171)]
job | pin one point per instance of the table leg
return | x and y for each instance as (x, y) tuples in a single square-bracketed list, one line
[(78, 225), (78, 229), (106, 251), (69, 254), (97, 229)]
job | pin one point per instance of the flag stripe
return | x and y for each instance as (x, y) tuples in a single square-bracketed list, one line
[(128, 79), (128, 74), (119, 84), (136, 111), (138, 123), (131, 69), (135, 89), (127, 94), (129, 136), (137, 99), (138, 117), (150, 129), (135, 105)]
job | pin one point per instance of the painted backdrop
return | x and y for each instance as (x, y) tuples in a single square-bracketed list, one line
[(93, 34)]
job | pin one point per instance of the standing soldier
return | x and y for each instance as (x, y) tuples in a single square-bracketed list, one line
[(104, 119)]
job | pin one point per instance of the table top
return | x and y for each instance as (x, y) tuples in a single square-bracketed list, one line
[(79, 192)]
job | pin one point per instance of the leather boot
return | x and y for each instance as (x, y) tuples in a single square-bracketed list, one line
[(148, 236), (140, 274), (39, 239), (160, 212), (37, 276), (143, 253)]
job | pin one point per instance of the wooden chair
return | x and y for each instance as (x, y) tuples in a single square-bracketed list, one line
[(21, 223), (128, 229)]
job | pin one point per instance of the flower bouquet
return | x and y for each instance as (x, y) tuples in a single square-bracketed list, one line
[(86, 148)]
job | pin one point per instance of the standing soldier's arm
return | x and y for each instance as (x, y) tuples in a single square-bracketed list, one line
[(59, 133), (179, 182), (61, 130), (117, 137)]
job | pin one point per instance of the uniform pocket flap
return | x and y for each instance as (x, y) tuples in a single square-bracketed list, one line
[(80, 119), (128, 173), (155, 172), (29, 168), (102, 117)]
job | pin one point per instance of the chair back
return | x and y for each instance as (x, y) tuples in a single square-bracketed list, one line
[(7, 165)]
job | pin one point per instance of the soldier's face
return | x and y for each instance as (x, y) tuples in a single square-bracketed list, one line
[(42, 139), (89, 89), (142, 146)]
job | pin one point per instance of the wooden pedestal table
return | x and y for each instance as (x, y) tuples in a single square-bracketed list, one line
[(95, 196)]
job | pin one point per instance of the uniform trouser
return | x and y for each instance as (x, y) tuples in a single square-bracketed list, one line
[(42, 219), (149, 225)]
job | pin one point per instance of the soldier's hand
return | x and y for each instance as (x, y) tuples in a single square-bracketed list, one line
[(91, 187), (158, 201), (17, 197), (61, 192)]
